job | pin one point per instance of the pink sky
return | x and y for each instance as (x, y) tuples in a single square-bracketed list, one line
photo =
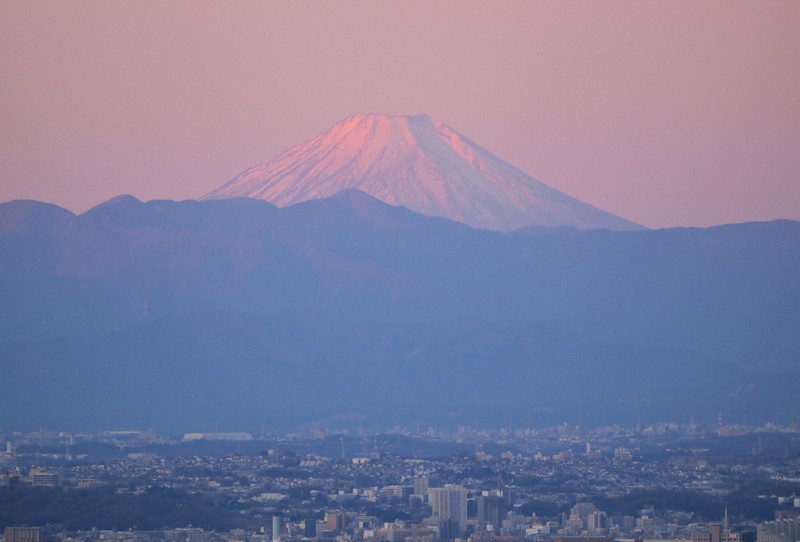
[(665, 113)]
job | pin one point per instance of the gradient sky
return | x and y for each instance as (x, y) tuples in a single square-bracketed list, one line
[(666, 113)]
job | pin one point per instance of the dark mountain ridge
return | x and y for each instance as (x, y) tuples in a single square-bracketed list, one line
[(183, 314)]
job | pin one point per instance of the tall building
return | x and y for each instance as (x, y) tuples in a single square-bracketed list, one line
[(596, 522), (449, 503), (44, 478), (421, 486), (490, 510), (336, 521), (24, 534), (310, 528), (579, 517), (276, 527), (781, 530), (718, 533)]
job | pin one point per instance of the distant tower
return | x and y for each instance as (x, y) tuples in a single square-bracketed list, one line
[(276, 527)]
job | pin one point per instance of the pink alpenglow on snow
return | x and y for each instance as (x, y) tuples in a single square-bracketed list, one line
[(419, 163)]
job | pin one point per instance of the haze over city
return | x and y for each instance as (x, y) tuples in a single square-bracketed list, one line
[(666, 114)]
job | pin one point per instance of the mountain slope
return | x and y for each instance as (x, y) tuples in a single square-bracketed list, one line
[(240, 312), (419, 163)]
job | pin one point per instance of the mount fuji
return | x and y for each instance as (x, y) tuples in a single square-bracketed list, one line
[(420, 163)]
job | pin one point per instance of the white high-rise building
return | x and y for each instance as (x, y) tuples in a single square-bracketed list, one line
[(277, 527), (449, 503)]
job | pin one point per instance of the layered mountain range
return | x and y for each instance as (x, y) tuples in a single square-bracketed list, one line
[(388, 271), (419, 163), (346, 310)]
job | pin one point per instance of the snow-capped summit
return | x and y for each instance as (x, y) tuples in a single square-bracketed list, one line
[(422, 164)]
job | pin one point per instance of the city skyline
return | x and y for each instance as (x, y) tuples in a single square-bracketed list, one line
[(662, 482)]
